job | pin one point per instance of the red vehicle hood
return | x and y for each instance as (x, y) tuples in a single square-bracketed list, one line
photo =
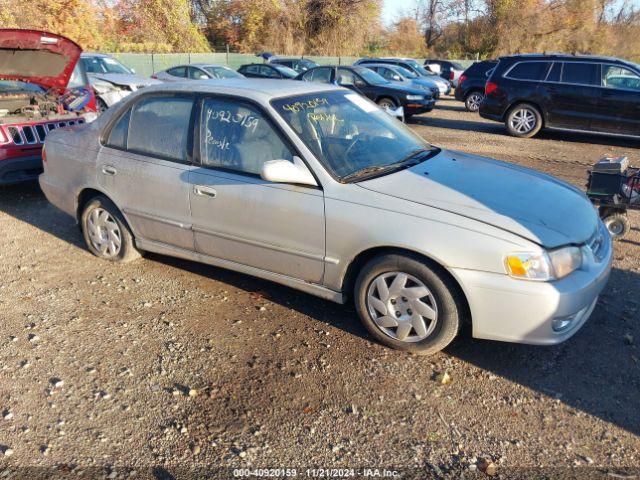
[(37, 57)]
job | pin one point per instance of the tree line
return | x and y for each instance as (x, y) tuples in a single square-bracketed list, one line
[(447, 28)]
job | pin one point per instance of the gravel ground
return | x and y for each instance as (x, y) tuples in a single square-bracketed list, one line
[(168, 369)]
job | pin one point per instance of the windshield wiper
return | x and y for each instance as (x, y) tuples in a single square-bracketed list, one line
[(410, 160)]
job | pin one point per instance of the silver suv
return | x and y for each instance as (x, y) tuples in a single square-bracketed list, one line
[(315, 187)]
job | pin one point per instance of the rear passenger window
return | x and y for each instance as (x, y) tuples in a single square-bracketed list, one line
[(178, 71), (159, 127), (237, 136), (118, 135), (530, 71), (555, 73), (581, 73)]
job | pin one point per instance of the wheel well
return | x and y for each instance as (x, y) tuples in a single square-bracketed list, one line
[(473, 90), (362, 258), (525, 102)]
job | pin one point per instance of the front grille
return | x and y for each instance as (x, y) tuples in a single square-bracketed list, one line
[(35, 134)]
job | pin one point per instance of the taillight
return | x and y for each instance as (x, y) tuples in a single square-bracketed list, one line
[(452, 75), (490, 87), (3, 137), (154, 76), (463, 78), (44, 155)]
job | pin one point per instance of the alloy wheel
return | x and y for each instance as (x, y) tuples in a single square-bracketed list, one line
[(104, 232), (474, 101), (523, 121), (402, 307)]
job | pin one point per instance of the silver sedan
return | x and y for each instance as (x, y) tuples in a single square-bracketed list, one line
[(315, 187)]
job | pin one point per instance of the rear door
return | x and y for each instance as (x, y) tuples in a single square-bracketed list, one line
[(144, 168), (572, 91), (239, 217), (619, 109)]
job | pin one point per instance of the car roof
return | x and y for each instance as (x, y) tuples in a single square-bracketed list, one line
[(256, 89), (94, 54), (566, 56), (198, 65)]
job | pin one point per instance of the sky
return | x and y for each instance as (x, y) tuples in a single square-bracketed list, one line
[(391, 9)]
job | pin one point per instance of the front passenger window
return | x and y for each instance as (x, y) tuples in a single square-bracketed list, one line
[(614, 76), (237, 136)]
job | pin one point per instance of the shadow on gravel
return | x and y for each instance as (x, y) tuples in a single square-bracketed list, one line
[(452, 108), (596, 372), (465, 125)]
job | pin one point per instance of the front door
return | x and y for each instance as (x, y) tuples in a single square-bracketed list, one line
[(143, 168), (241, 218), (619, 100)]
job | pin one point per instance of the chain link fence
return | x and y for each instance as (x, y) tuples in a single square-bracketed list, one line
[(146, 64)]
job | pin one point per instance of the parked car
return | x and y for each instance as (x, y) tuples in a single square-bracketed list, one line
[(397, 74), (196, 71), (111, 80), (265, 70), (447, 69), (369, 84), (411, 65), (298, 64), (314, 187), (471, 84), (532, 92), (42, 88)]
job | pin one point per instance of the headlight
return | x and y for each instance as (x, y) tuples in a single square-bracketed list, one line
[(544, 266), (415, 97), (103, 88)]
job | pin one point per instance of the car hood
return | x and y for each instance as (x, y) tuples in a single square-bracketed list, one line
[(37, 57), (525, 202), (124, 79), (407, 90)]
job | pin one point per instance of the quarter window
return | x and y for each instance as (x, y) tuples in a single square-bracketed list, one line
[(581, 73), (237, 136), (614, 76), (118, 135), (159, 127), (346, 77), (320, 75), (535, 71)]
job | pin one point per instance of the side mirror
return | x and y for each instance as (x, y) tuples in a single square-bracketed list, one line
[(359, 83), (284, 171), (397, 78), (133, 70)]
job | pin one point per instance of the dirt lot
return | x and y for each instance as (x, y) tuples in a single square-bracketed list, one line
[(162, 367)]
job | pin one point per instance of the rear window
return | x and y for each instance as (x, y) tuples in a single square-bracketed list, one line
[(581, 73), (529, 71), (480, 68)]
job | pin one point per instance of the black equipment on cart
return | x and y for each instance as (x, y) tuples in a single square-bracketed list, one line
[(614, 187)]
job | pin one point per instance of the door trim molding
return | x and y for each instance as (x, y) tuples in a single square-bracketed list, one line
[(155, 218)]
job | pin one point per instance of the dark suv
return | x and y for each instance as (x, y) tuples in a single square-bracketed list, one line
[(471, 84), (595, 94)]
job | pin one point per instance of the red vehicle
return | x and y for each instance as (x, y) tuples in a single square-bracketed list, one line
[(42, 87)]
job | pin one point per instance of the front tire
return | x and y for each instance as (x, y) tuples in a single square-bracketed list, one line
[(473, 100), (407, 304), (618, 225), (387, 103), (106, 232), (524, 121)]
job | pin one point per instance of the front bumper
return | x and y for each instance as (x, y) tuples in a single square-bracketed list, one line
[(21, 169), (520, 311), (418, 107)]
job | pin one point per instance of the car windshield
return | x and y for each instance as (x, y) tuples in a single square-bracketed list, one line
[(105, 65), (371, 77), (405, 73), (14, 86), (350, 135), (222, 72), (286, 71)]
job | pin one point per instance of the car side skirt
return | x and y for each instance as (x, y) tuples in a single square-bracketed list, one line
[(311, 288)]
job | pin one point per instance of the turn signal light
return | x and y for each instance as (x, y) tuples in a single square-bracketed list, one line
[(490, 87)]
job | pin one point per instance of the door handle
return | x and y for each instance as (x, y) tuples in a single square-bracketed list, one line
[(109, 170), (204, 191)]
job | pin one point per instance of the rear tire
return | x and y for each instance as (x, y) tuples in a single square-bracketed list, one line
[(618, 225), (407, 304), (523, 121), (106, 232), (473, 100)]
